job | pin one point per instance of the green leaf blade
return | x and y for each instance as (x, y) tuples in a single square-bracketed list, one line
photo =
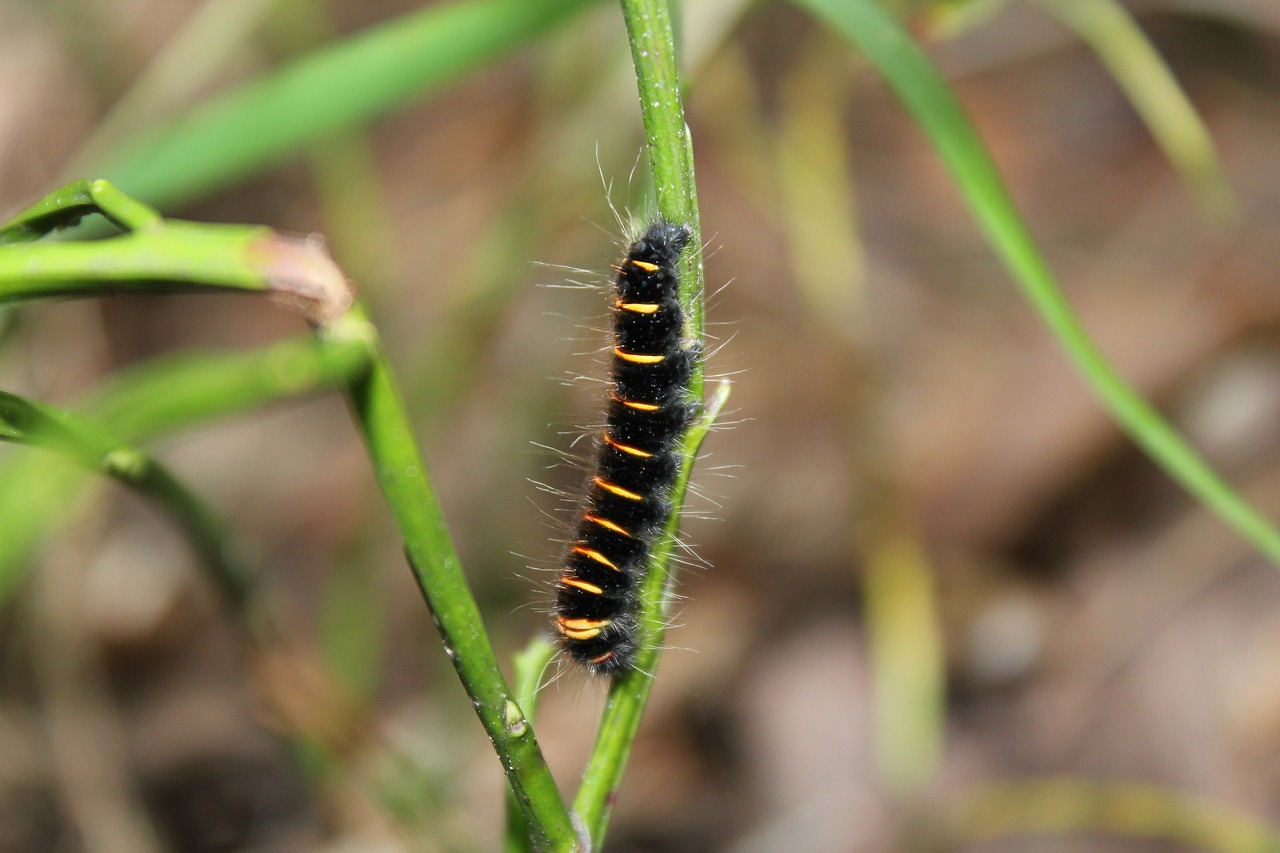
[(257, 126), (913, 77)]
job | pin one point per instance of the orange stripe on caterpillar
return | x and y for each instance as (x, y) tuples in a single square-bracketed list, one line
[(639, 307), (635, 404), (626, 448), (606, 524), (616, 490), (579, 583), (581, 629), (592, 554), (638, 358)]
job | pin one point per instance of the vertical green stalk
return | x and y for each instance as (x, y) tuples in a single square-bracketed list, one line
[(670, 147), (653, 50), (671, 160)]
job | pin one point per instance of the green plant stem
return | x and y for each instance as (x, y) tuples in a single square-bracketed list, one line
[(530, 665), (653, 53), (935, 108), (155, 253), (179, 254), (97, 450), (67, 205), (33, 489), (181, 390), (57, 210), (379, 411), (162, 398)]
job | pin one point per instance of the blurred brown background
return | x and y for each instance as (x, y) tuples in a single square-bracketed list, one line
[(891, 389)]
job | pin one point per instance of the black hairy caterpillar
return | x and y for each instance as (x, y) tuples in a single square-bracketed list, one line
[(628, 495)]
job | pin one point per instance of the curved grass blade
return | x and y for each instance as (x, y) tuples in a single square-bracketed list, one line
[(916, 81), (351, 82)]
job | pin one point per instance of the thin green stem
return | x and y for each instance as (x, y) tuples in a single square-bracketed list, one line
[(155, 252), (129, 213), (67, 205), (199, 254), (530, 665), (379, 411), (653, 53), (179, 254), (162, 398), (98, 450), (56, 210), (921, 88)]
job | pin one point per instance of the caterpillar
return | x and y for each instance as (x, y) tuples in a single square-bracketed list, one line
[(627, 499)]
